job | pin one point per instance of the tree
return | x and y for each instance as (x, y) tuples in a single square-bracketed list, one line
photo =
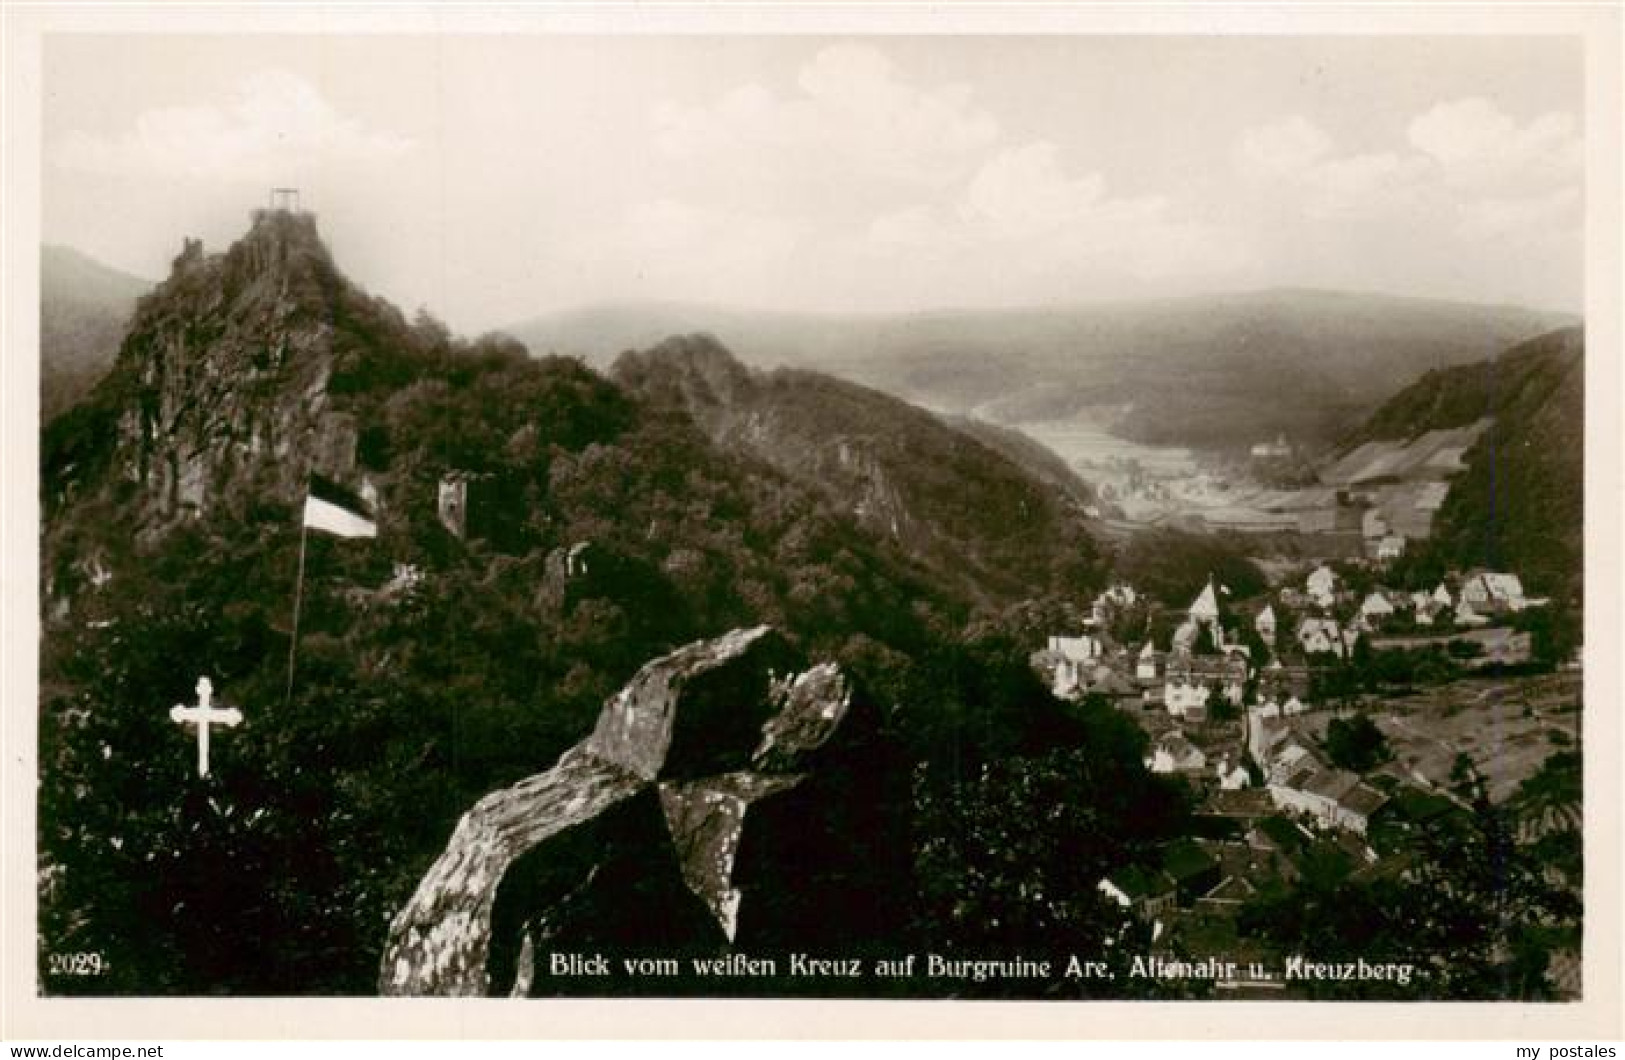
[(1171, 566), (1554, 633), (1009, 854), (1356, 744)]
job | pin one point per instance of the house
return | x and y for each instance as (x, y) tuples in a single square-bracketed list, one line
[(1356, 806), (1494, 593), (1072, 659), (1322, 585), (1293, 706), (1205, 608), (1376, 609), (1120, 595), (1391, 547), (1442, 597), (1185, 699), (1265, 624), (1423, 608), (1293, 759), (1148, 667), (1231, 893), (1173, 753), (1334, 798), (1082, 649), (1466, 615), (1148, 892), (1312, 789), (1320, 636), (1226, 673), (1230, 777)]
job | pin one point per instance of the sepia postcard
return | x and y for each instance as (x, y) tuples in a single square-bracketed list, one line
[(698, 521)]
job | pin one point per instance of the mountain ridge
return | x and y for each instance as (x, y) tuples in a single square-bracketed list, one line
[(978, 516), (1336, 352)]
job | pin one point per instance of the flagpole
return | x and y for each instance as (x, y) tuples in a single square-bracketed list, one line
[(298, 599)]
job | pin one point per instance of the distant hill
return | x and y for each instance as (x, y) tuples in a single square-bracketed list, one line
[(85, 307), (977, 516), (1208, 371), (1519, 505)]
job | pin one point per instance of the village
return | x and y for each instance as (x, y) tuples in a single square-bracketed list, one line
[(1371, 502), (1323, 723)]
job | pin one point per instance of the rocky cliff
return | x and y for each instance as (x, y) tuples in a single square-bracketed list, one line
[(689, 751), (221, 387)]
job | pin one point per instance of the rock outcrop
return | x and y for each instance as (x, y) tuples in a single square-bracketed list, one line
[(702, 734), (221, 387)]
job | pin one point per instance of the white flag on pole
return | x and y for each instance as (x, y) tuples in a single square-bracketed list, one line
[(332, 508)]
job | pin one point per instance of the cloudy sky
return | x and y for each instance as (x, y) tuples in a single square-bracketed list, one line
[(494, 178)]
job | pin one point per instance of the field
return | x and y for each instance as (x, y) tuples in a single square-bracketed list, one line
[(1508, 726)]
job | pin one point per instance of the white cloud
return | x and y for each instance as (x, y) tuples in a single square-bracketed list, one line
[(1476, 145), (278, 123), (1464, 158), (862, 179), (1023, 190), (854, 122), (1475, 130), (1030, 230)]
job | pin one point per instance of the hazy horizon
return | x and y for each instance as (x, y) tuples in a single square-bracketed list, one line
[(970, 309), (493, 180)]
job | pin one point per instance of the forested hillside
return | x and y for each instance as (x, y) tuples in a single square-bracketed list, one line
[(1519, 505)]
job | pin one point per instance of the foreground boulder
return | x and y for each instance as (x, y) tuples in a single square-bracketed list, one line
[(635, 835)]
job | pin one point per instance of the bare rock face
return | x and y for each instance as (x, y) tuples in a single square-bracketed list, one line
[(224, 374), (439, 942), (685, 751)]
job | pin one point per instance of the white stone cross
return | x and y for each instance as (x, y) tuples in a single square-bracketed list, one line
[(201, 716)]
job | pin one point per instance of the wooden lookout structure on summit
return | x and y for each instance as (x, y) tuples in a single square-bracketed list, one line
[(285, 199)]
